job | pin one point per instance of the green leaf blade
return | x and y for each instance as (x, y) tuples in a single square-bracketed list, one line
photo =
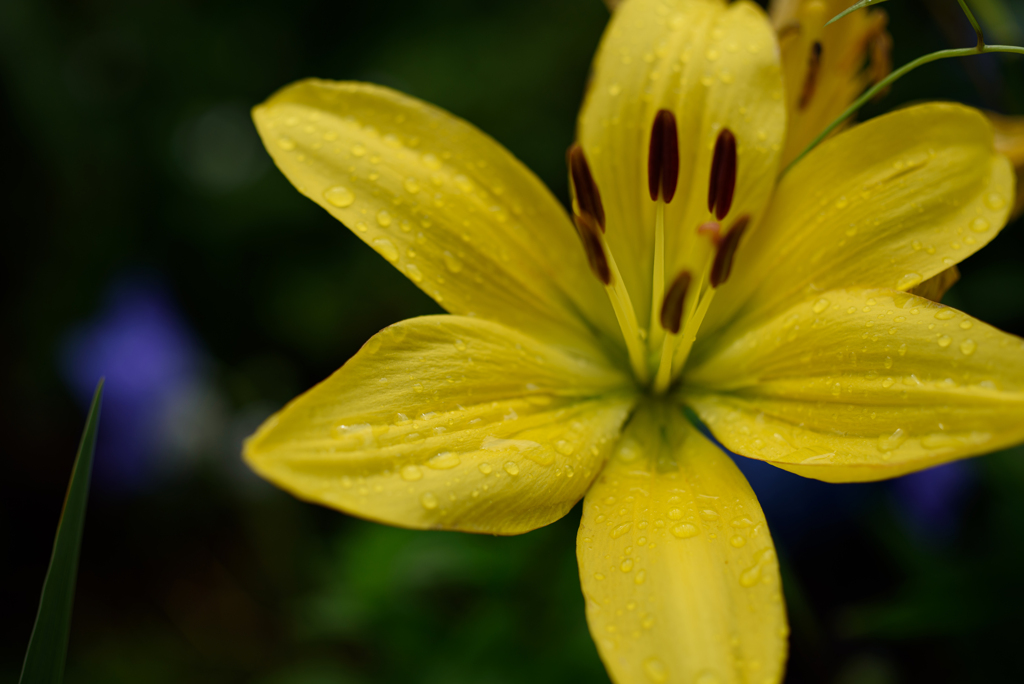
[(854, 8), (47, 647)]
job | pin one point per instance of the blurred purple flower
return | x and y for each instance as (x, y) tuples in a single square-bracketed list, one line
[(143, 347), (932, 500)]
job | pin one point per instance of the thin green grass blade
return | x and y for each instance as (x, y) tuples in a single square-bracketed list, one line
[(47, 649), (854, 8)]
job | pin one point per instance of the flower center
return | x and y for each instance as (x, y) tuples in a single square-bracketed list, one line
[(678, 306)]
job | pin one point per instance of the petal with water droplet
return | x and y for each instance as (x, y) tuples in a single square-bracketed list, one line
[(418, 421), (916, 180), (927, 385), (488, 239), (690, 607)]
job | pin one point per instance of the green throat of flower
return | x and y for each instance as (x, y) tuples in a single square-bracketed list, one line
[(679, 304)]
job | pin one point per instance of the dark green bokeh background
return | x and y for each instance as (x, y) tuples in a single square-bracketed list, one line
[(128, 150)]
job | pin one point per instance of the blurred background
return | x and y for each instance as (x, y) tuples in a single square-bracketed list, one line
[(149, 239)]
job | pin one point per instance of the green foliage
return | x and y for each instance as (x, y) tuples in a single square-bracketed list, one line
[(47, 649), (853, 8)]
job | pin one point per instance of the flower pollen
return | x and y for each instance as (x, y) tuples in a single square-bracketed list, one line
[(672, 306), (723, 175), (722, 266)]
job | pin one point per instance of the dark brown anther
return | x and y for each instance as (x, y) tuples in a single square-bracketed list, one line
[(591, 239), (723, 175), (663, 157), (672, 306), (722, 267), (587, 196), (811, 80)]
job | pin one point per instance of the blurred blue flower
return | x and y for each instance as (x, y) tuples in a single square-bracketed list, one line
[(141, 344), (932, 500)]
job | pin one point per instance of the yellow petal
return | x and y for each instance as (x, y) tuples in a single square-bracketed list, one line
[(448, 422), (714, 65), (855, 385), (890, 203), (821, 82), (1010, 142), (676, 562), (443, 202), (936, 287)]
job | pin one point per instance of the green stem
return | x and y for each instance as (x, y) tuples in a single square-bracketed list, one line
[(974, 23), (894, 76)]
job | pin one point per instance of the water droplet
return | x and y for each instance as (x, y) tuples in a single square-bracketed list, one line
[(968, 347), (627, 565), (842, 202), (358, 150), (511, 468), (945, 314), (361, 227), (966, 325), (675, 514), (486, 468), (738, 541), (431, 161), (980, 225), (945, 341), (414, 273), (429, 501), (995, 201), (620, 530), (640, 577), (563, 447), (685, 530), (386, 249), (444, 461), (452, 262), (750, 576), (820, 306), (339, 196), (709, 514), (383, 218), (411, 473), (655, 670), (888, 382), (286, 143), (460, 345), (909, 280), (893, 441), (903, 349)]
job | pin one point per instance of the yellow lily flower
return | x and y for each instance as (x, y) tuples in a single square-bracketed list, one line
[(778, 312)]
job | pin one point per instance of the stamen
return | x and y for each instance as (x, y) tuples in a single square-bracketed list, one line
[(587, 196), (602, 263), (662, 180), (811, 80), (663, 157), (672, 310), (723, 175), (592, 245), (722, 266), (672, 307)]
